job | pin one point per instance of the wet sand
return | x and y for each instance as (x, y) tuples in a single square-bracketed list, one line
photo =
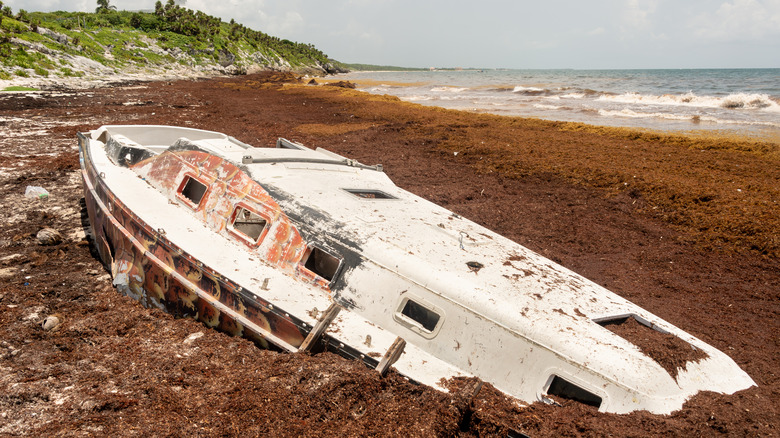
[(683, 227)]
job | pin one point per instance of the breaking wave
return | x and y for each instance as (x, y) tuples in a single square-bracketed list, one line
[(418, 97), (530, 91), (627, 113), (739, 100), (548, 107), (448, 89), (732, 101)]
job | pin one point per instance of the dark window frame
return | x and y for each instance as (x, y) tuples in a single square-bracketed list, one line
[(183, 195), (238, 233), (402, 315), (309, 262), (561, 387), (420, 314)]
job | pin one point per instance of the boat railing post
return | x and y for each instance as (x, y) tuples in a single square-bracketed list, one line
[(322, 324), (391, 356)]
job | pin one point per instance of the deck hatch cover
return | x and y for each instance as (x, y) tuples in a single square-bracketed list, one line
[(420, 314), (193, 190), (322, 263), (370, 194), (565, 389)]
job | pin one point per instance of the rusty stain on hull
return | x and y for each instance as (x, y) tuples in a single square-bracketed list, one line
[(228, 187), (153, 270)]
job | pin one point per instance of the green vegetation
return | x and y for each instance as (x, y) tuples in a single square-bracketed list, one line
[(17, 88), (43, 43)]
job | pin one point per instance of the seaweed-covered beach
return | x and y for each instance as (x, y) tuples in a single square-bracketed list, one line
[(685, 227)]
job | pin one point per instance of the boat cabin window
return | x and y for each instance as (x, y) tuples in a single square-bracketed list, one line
[(321, 263), (370, 194), (565, 389), (420, 314), (248, 223), (193, 190)]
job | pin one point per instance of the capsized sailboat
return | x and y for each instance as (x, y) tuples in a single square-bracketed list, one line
[(306, 250)]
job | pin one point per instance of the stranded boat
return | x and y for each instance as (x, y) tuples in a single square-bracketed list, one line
[(305, 250)]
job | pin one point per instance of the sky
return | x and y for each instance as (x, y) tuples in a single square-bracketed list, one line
[(591, 34)]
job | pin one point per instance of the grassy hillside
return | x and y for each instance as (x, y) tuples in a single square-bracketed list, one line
[(62, 44)]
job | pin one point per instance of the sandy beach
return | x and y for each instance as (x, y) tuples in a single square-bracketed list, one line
[(684, 227)]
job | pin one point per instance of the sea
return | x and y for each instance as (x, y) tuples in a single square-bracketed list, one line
[(745, 102)]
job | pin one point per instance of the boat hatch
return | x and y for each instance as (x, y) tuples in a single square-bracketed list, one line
[(192, 191), (563, 388), (321, 263), (370, 194), (621, 319)]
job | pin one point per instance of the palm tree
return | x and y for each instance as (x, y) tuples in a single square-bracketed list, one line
[(103, 6)]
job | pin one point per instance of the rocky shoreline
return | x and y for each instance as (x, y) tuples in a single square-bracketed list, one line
[(99, 77), (69, 64)]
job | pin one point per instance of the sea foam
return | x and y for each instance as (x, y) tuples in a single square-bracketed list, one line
[(448, 89), (530, 91), (732, 101), (627, 113)]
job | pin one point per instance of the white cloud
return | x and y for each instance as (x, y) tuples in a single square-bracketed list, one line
[(51, 5), (597, 31), (282, 19), (651, 21), (287, 23), (354, 30), (637, 16), (739, 20), (226, 9), (364, 3)]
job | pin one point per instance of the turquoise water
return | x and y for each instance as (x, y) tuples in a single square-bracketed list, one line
[(744, 101)]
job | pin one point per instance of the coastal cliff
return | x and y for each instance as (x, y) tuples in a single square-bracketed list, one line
[(170, 42)]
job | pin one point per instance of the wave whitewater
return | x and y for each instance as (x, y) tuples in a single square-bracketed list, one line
[(732, 101), (743, 101)]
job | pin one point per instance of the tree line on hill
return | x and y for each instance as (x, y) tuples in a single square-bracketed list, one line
[(170, 17)]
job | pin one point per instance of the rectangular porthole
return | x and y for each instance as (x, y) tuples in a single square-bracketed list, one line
[(420, 314), (193, 190), (321, 263), (370, 194), (565, 389), (248, 224)]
